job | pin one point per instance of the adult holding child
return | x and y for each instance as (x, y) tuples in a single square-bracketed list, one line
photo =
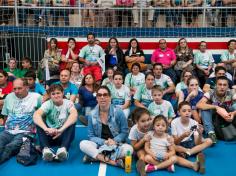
[(107, 126)]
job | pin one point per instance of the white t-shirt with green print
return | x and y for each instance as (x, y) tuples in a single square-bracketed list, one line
[(143, 95), (134, 80), (164, 81), (165, 109), (119, 96)]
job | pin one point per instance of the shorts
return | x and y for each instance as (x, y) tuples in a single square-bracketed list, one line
[(95, 70), (188, 144)]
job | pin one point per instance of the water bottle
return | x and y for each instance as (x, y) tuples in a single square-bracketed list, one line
[(128, 162)]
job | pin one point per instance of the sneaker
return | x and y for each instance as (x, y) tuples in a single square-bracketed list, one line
[(48, 154), (88, 159), (83, 120), (62, 154), (201, 162), (140, 166), (171, 168), (150, 168), (212, 136)]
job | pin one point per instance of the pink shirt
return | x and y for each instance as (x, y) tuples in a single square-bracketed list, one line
[(163, 57)]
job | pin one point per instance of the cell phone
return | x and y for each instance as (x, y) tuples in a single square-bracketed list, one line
[(193, 128)]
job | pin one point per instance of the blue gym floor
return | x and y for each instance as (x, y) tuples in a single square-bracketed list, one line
[(220, 160)]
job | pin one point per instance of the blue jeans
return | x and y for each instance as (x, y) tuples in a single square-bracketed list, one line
[(171, 73), (207, 120), (9, 145)]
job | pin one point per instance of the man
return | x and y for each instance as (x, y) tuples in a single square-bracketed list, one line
[(30, 76), (167, 58), (217, 102), (70, 90), (55, 121), (89, 55), (211, 82), (164, 81), (18, 107)]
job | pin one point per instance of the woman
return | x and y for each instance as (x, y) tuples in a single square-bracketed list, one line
[(114, 56), (6, 87), (120, 93), (69, 54), (87, 97), (143, 96), (186, 74), (55, 121), (50, 61), (75, 74), (192, 95), (107, 126), (134, 79), (135, 54), (184, 57)]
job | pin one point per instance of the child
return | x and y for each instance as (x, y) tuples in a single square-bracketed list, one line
[(120, 93), (109, 80), (160, 106), (138, 136), (12, 69), (160, 151), (187, 135)]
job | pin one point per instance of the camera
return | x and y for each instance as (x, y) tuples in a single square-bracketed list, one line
[(193, 128)]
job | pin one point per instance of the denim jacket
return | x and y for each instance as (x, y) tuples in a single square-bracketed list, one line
[(116, 121)]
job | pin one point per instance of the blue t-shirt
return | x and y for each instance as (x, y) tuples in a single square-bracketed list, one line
[(88, 98), (38, 88), (193, 102), (70, 90)]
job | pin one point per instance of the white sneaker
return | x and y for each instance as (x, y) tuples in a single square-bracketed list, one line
[(48, 154), (62, 154)]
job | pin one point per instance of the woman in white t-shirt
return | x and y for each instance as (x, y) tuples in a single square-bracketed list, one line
[(134, 79)]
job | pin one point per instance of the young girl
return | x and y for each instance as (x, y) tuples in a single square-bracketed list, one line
[(187, 135), (160, 150), (192, 95), (138, 136), (120, 93), (109, 80)]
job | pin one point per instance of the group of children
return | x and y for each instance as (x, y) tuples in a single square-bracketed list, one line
[(161, 142)]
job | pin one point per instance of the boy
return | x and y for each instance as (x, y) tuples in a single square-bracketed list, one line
[(160, 106)]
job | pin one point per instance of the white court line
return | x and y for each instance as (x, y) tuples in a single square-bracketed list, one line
[(102, 169)]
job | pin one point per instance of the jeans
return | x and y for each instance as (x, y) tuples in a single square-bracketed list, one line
[(207, 120), (9, 145), (91, 149), (171, 73), (63, 141)]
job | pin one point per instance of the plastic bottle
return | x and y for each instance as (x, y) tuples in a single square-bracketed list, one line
[(128, 162)]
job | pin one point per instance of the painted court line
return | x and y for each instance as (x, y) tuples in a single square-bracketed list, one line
[(102, 169)]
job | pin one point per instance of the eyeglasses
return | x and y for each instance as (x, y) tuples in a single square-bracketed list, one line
[(105, 95), (162, 43)]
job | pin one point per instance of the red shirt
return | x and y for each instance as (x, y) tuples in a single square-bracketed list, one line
[(64, 52), (8, 89)]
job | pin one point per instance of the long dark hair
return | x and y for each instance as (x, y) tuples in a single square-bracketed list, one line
[(108, 48), (138, 46), (95, 87)]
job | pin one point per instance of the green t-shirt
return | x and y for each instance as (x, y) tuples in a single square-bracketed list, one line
[(91, 53), (134, 80), (143, 95), (119, 96), (225, 56), (203, 59), (165, 109), (56, 115), (16, 72)]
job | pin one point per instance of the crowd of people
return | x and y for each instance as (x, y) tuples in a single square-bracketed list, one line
[(119, 11), (160, 112)]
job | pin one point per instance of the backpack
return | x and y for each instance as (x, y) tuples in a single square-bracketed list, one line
[(28, 154)]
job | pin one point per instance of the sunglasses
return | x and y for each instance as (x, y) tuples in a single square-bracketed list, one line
[(102, 95)]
